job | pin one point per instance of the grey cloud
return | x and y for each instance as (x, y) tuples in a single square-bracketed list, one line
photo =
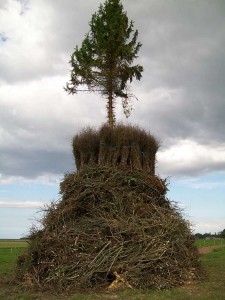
[(3, 4), (31, 164), (183, 44), (24, 6), (181, 94), (37, 128), (199, 117), (65, 24), (3, 37)]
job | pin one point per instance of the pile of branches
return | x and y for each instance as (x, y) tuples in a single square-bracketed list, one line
[(112, 227), (123, 146)]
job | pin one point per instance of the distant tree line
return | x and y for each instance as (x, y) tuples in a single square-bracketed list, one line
[(220, 234)]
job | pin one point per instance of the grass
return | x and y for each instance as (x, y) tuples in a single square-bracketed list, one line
[(207, 243), (212, 288), (9, 251), (13, 244)]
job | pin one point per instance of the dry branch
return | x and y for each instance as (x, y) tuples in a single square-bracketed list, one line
[(121, 146), (111, 223)]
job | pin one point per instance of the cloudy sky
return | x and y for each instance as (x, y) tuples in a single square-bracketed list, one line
[(181, 101)]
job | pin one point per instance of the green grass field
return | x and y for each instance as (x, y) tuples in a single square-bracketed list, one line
[(212, 288), (9, 251), (13, 244), (206, 243)]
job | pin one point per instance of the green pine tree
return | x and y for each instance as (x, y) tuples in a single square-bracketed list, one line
[(104, 61)]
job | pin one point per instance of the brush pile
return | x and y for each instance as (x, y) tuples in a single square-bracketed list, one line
[(113, 227), (121, 146)]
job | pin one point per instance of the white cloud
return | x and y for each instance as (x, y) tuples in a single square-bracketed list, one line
[(47, 179), (209, 226), (187, 156), (23, 204), (28, 52), (197, 183), (39, 114)]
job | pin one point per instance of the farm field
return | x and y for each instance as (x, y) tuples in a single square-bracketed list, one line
[(207, 243), (212, 288), (9, 251)]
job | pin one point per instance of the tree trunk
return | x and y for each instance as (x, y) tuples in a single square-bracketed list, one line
[(111, 118)]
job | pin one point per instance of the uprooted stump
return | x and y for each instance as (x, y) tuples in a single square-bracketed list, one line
[(111, 226)]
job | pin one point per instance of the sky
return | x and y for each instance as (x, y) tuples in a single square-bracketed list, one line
[(181, 100)]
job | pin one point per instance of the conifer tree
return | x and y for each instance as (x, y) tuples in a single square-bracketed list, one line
[(104, 62)]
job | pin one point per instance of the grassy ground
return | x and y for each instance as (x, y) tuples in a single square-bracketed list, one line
[(212, 288), (9, 251), (207, 243)]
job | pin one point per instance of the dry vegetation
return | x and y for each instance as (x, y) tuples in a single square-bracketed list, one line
[(114, 226), (121, 146)]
